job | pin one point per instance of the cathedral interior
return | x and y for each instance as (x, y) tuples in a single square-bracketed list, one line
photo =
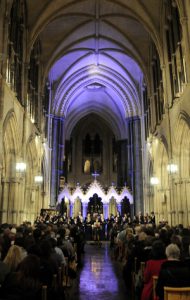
[(95, 91)]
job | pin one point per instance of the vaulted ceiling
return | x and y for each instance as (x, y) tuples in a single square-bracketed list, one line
[(95, 54)]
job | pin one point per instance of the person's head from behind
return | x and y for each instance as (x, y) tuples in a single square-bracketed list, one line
[(158, 250), (28, 275), (13, 257), (172, 252), (30, 266)]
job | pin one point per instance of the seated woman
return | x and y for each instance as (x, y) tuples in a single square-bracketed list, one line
[(173, 272), (153, 268), (13, 258)]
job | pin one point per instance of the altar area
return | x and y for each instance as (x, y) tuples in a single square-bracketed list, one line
[(95, 198)]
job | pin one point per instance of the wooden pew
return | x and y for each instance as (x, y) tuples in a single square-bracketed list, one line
[(44, 292), (154, 280), (176, 293), (137, 278)]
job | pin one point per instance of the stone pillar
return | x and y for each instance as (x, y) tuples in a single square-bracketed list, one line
[(20, 199), (119, 207), (169, 217), (122, 163), (134, 170), (4, 200), (180, 217), (13, 201), (71, 210), (84, 213), (105, 210), (56, 157)]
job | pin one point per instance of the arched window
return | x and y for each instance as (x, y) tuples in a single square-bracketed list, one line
[(87, 167), (92, 154), (87, 145), (97, 145)]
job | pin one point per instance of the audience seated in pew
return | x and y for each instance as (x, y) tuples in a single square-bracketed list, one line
[(173, 272), (152, 268)]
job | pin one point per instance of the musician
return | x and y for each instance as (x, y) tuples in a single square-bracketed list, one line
[(96, 229), (124, 219), (103, 227), (80, 218), (88, 227), (140, 218), (152, 218)]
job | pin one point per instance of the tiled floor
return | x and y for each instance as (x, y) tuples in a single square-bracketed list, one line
[(100, 278)]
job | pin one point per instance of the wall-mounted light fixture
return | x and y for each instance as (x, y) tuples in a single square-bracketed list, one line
[(38, 179), (154, 181), (172, 168), (20, 167)]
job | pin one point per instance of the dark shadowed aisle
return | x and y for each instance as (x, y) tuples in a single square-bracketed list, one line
[(99, 278)]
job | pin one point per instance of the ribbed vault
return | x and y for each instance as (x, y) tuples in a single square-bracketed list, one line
[(95, 54)]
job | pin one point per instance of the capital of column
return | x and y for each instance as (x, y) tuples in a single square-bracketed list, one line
[(11, 180), (57, 118), (5, 180), (2, 211), (183, 20), (172, 212)]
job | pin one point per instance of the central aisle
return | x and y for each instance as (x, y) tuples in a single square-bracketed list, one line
[(100, 277)]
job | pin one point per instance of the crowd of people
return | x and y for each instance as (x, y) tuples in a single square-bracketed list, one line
[(164, 251), (32, 257), (31, 254), (95, 226)]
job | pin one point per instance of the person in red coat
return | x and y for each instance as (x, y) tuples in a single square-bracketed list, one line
[(152, 269)]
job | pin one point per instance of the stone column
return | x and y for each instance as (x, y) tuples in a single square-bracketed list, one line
[(4, 200), (134, 169), (56, 157), (119, 207), (84, 213), (169, 217), (71, 210), (13, 201), (20, 200), (122, 162), (105, 210)]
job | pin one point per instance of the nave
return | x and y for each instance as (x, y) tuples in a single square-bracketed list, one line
[(100, 276)]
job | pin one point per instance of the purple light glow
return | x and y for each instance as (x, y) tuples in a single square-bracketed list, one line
[(95, 188), (98, 277), (116, 78)]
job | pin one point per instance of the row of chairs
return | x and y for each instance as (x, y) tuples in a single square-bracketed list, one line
[(172, 293)]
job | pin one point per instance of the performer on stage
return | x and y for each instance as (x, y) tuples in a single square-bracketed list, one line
[(103, 224), (88, 227), (80, 218), (96, 229)]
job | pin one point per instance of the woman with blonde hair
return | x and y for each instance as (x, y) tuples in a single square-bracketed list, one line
[(13, 258)]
